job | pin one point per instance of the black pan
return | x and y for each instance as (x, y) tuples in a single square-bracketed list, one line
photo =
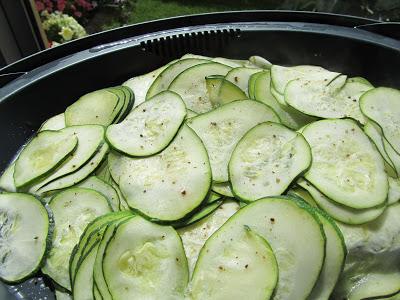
[(46, 83)]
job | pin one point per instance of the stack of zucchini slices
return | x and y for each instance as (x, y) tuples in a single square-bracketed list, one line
[(208, 178)]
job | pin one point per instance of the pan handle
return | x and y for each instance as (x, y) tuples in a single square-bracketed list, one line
[(388, 29)]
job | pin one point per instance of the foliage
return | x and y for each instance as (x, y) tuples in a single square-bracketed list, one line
[(60, 27)]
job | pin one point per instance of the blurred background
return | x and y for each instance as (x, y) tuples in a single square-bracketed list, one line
[(27, 26)]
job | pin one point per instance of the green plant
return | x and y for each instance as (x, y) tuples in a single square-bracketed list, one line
[(61, 28)]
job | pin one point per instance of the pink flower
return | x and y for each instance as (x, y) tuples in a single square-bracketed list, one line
[(61, 5), (39, 6), (78, 14)]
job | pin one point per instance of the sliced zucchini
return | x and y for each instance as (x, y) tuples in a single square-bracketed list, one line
[(212, 197), (150, 127), (266, 161), (73, 209), (284, 222), (392, 154), (222, 128), (98, 275), (382, 106), (164, 79), (43, 154), (123, 205), (145, 261), (252, 84), (372, 263), (394, 190), (77, 176), (374, 133), (102, 172), (171, 184), (335, 255), (244, 267), (233, 63), (190, 114), (289, 116), (202, 213), (346, 166), (222, 188), (339, 212), (281, 76), (140, 84), (92, 234), (195, 235), (360, 80), (191, 85), (7, 179), (240, 77), (102, 187), (56, 122), (61, 295), (319, 99), (25, 232), (83, 284), (303, 194), (221, 91), (90, 138), (260, 62), (95, 108)]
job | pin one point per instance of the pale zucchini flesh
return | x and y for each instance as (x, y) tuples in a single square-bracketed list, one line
[(139, 245), (25, 234), (191, 85), (239, 268), (289, 116), (266, 161), (346, 166), (7, 179), (150, 127), (56, 122), (72, 209), (222, 188), (43, 154), (171, 184), (195, 235), (221, 129), (339, 212), (164, 79), (275, 219), (240, 77), (382, 106)]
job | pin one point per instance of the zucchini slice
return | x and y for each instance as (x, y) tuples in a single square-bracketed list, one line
[(98, 274), (376, 286), (239, 268), (394, 190), (73, 209), (221, 91), (102, 187), (212, 197), (90, 138), (326, 100), (382, 106), (144, 260), (222, 188), (221, 129), (252, 84), (289, 116), (171, 184), (195, 235), (202, 213), (281, 76), (260, 62), (339, 212), (61, 295), (92, 233), (240, 77), (374, 133), (150, 127), (7, 179), (95, 108), (77, 176), (283, 222), (25, 236), (56, 122), (103, 173), (346, 166), (43, 154), (335, 256), (191, 85), (266, 161), (164, 79)]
